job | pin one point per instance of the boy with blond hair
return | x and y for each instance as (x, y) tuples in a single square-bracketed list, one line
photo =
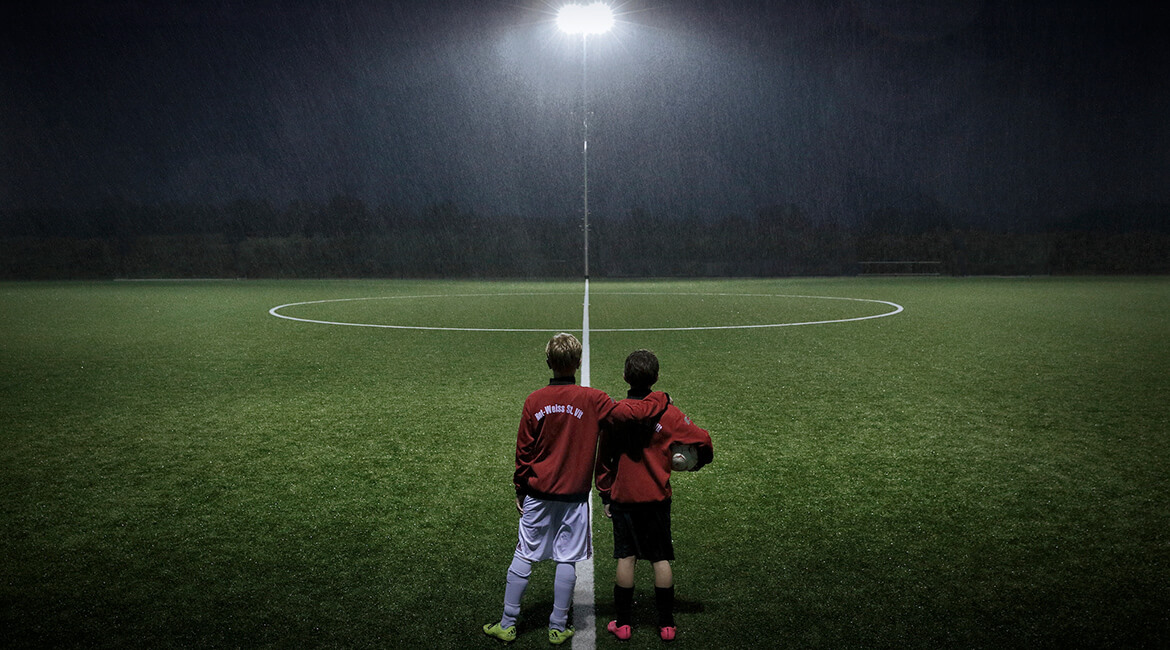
[(633, 477), (556, 449)]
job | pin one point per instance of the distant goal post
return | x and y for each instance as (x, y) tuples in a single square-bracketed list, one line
[(901, 267)]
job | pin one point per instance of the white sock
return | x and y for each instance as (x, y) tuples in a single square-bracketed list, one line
[(517, 582), (563, 595)]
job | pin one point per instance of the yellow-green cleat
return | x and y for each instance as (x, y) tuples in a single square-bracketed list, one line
[(557, 637), (505, 634)]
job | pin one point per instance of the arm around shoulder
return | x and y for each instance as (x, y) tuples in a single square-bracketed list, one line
[(647, 410)]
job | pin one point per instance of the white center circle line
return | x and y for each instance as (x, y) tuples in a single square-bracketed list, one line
[(897, 309)]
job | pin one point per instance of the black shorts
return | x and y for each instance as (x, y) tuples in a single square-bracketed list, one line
[(642, 530)]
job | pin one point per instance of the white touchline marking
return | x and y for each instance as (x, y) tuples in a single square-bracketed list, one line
[(583, 598), (585, 378), (275, 311), (584, 620)]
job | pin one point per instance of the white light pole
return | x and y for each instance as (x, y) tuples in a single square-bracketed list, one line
[(596, 18)]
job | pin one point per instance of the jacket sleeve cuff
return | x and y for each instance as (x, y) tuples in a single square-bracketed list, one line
[(706, 455)]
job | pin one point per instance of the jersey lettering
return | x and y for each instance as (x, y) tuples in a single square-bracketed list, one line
[(559, 408)]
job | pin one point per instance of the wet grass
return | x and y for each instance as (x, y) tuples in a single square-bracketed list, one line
[(986, 469)]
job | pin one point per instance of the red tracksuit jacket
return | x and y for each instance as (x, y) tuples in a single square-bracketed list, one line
[(633, 470), (556, 445)]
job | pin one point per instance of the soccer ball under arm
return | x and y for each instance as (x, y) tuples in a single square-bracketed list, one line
[(683, 457)]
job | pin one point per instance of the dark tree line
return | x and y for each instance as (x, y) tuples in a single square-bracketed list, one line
[(346, 238)]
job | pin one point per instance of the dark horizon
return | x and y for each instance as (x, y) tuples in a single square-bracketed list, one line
[(985, 111)]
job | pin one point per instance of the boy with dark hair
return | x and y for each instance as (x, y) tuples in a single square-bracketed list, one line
[(633, 477), (556, 448)]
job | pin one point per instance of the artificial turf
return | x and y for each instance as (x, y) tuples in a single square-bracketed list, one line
[(985, 469)]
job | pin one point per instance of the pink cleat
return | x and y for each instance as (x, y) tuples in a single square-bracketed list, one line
[(667, 633), (624, 632)]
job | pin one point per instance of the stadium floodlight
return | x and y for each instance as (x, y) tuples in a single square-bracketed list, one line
[(596, 18)]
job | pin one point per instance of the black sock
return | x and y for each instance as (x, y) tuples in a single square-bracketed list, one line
[(664, 598), (623, 602)]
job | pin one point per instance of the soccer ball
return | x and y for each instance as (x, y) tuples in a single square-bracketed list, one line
[(683, 457)]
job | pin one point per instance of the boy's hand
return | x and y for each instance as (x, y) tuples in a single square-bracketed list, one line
[(607, 514), (520, 505)]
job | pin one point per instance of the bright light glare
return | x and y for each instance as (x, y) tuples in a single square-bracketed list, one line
[(596, 18)]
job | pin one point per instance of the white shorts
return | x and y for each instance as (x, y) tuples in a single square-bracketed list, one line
[(554, 530)]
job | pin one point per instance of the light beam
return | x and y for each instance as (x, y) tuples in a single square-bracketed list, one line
[(596, 18)]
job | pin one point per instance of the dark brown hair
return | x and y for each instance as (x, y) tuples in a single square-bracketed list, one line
[(641, 369)]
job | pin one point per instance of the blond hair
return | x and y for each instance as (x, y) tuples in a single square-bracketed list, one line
[(563, 353)]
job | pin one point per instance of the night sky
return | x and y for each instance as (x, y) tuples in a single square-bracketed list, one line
[(991, 110)]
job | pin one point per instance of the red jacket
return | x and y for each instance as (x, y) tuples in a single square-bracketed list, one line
[(556, 445), (633, 470)]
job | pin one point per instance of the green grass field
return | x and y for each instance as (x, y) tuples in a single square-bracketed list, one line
[(987, 469)]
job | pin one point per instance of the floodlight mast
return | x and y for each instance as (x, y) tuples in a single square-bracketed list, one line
[(596, 18), (585, 147)]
